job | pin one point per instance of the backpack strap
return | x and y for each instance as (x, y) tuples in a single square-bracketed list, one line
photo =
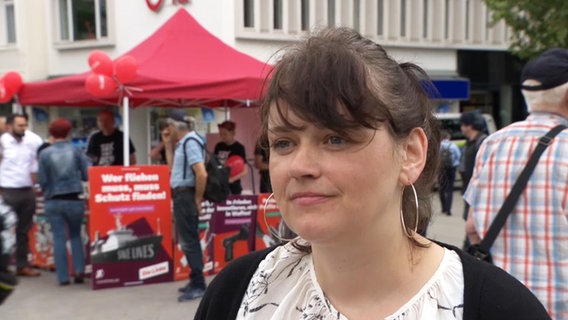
[(185, 153)]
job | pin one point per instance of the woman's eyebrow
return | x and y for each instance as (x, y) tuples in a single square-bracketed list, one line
[(285, 128)]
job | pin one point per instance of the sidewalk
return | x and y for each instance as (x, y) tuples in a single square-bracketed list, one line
[(42, 299)]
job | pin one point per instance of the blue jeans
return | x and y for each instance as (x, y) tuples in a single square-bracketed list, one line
[(66, 217), (187, 228)]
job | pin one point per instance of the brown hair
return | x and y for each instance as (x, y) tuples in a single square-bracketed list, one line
[(337, 79), (229, 125)]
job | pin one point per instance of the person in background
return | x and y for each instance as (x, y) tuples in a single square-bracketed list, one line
[(2, 124), (44, 145), (533, 244), (472, 126), (8, 222), (261, 163), (105, 148), (188, 178), (158, 152), (62, 170), (450, 160), (18, 175), (228, 147), (336, 103)]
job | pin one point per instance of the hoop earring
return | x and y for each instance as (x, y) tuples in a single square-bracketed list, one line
[(271, 230), (411, 235)]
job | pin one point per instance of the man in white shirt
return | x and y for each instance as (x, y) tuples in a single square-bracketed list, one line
[(18, 175)]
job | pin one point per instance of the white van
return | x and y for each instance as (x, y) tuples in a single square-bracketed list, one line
[(451, 123)]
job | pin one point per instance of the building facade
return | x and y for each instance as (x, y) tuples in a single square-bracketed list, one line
[(52, 38)]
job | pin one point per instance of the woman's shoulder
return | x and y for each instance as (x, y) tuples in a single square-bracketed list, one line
[(223, 296), (247, 261)]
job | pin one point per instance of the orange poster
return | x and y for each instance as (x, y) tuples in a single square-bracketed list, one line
[(181, 267), (130, 225)]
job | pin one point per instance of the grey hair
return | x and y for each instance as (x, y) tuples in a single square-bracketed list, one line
[(181, 126), (187, 124), (545, 100)]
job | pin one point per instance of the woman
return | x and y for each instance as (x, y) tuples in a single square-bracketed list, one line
[(62, 168), (229, 148), (353, 155)]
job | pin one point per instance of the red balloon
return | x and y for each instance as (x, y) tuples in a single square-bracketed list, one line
[(100, 63), (236, 163), (5, 94), (13, 81), (100, 85), (125, 69)]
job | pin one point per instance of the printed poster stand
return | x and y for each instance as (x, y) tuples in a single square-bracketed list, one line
[(130, 225), (224, 234)]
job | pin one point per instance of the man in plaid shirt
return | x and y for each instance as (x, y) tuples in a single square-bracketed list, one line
[(533, 244)]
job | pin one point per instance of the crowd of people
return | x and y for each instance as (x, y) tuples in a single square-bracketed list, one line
[(350, 154), (57, 169)]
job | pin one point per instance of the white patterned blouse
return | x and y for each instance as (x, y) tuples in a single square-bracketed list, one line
[(285, 286)]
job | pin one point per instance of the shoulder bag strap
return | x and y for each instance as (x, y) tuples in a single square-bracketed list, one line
[(185, 153), (518, 187)]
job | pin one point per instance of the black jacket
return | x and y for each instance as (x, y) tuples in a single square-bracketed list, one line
[(489, 292)]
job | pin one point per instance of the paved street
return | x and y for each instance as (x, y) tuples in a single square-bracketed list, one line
[(40, 298)]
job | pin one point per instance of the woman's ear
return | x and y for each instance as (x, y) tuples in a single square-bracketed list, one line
[(414, 154)]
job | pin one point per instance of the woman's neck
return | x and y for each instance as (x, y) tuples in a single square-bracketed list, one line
[(381, 277)]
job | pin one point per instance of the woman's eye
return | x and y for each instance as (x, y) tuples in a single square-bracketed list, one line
[(335, 140), (280, 145)]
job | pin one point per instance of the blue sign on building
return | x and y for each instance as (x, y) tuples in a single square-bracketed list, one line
[(448, 89)]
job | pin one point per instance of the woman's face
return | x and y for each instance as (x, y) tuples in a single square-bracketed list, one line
[(331, 187)]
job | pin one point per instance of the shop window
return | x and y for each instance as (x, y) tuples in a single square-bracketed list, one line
[(82, 20), (249, 13), (403, 18), (331, 13), (380, 17), (447, 18), (305, 15), (278, 14), (356, 15), (425, 16), (7, 22)]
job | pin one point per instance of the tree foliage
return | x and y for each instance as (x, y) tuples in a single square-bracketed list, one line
[(536, 25)]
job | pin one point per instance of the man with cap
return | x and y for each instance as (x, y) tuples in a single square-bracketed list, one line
[(533, 244), (187, 180), (472, 127)]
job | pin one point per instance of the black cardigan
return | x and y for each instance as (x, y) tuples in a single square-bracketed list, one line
[(489, 292)]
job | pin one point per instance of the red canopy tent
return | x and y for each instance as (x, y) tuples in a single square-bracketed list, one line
[(181, 64)]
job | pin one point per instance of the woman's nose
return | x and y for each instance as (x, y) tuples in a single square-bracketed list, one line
[(305, 162)]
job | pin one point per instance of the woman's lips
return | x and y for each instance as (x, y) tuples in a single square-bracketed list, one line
[(308, 198)]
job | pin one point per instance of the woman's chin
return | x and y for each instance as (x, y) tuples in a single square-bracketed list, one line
[(312, 233)]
